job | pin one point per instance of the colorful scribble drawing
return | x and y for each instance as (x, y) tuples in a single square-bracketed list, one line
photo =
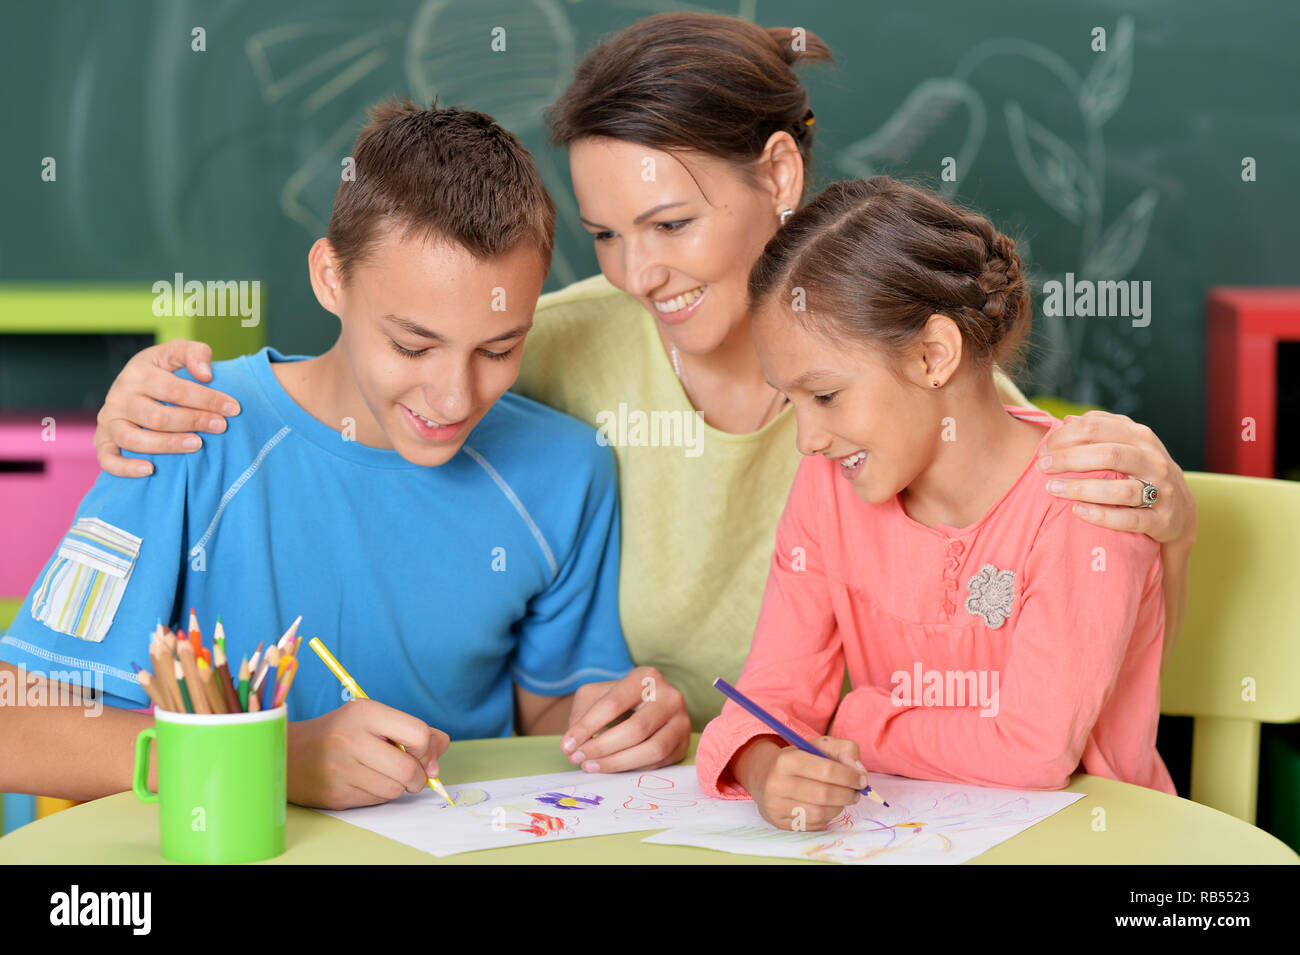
[(464, 797), (926, 822), (540, 824), (933, 825), (570, 800)]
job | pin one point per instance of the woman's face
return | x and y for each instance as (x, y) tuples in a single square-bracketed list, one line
[(682, 241)]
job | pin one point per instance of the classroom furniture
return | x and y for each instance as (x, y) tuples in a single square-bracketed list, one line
[(47, 464), (1245, 328), (1237, 661), (1141, 826), (122, 308)]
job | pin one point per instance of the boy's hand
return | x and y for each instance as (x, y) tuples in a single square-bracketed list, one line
[(346, 758), (134, 404), (656, 731), (797, 790)]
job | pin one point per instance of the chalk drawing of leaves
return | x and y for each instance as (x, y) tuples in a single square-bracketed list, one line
[(449, 54), (924, 110), (1053, 169), (1119, 248), (1106, 84)]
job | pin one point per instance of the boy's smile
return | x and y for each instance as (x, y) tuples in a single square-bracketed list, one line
[(431, 338)]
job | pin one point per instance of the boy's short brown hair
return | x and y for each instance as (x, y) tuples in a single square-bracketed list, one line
[(440, 174)]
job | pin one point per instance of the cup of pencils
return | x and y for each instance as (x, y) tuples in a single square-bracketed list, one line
[(221, 746)]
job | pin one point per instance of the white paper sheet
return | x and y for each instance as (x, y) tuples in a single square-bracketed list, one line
[(927, 822), (530, 809)]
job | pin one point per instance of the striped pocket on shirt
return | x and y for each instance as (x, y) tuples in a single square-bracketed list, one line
[(83, 587)]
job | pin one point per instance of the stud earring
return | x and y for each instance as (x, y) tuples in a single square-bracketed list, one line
[(786, 214)]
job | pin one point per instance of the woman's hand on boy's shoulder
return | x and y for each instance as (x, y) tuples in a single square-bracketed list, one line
[(1101, 441), (346, 757), (135, 418), (641, 721)]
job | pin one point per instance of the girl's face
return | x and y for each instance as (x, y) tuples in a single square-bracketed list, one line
[(682, 241), (854, 403)]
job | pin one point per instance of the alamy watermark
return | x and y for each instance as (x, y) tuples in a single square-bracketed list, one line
[(209, 299), (651, 429), (1086, 298), (83, 688), (923, 687)]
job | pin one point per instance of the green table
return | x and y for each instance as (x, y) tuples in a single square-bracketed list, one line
[(1142, 826)]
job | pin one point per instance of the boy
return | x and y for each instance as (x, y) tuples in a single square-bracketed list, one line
[(461, 589)]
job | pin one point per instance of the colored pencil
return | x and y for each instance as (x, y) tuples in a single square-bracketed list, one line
[(283, 684), (254, 704), (164, 677), (781, 730), (190, 667), (286, 642), (196, 638), (243, 685), (208, 677), (257, 656), (146, 684), (345, 678), (223, 676), (264, 684), (185, 693)]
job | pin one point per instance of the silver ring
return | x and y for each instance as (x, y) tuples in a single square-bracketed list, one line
[(1149, 494)]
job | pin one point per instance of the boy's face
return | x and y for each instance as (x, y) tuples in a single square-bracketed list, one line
[(858, 402), (433, 337)]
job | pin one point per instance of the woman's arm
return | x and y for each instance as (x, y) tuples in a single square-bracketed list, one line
[(135, 403), (1099, 440)]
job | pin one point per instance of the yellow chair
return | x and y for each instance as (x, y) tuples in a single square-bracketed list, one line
[(1237, 662)]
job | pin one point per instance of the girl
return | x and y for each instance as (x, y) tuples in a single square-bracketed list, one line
[(715, 103), (990, 637)]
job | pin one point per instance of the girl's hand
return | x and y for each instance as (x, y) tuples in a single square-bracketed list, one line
[(134, 404), (1099, 440), (346, 758), (653, 727), (797, 790)]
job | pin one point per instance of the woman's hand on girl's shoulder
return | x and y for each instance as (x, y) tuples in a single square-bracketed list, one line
[(134, 416), (638, 722), (1101, 441)]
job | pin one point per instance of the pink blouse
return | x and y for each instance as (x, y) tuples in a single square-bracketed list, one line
[(1012, 652)]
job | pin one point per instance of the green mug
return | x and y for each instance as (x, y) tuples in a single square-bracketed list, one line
[(221, 784)]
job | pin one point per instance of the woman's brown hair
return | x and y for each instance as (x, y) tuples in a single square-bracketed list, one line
[(693, 81), (876, 258)]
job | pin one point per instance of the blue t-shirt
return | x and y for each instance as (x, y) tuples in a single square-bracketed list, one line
[(437, 588)]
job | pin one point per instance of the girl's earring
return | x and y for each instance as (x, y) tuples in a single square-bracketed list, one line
[(786, 214), (935, 382)]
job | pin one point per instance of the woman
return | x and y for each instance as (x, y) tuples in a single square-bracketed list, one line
[(690, 138)]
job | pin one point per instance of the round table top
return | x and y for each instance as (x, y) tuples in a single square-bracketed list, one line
[(1142, 826)]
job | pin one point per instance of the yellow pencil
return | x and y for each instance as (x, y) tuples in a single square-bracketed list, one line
[(354, 687)]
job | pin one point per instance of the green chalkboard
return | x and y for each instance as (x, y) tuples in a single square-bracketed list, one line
[(1122, 165)]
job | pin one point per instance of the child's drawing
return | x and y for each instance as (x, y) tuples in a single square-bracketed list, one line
[(927, 822), (570, 800), (465, 796)]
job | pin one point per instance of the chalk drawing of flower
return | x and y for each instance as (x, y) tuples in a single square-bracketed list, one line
[(569, 801), (992, 593)]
